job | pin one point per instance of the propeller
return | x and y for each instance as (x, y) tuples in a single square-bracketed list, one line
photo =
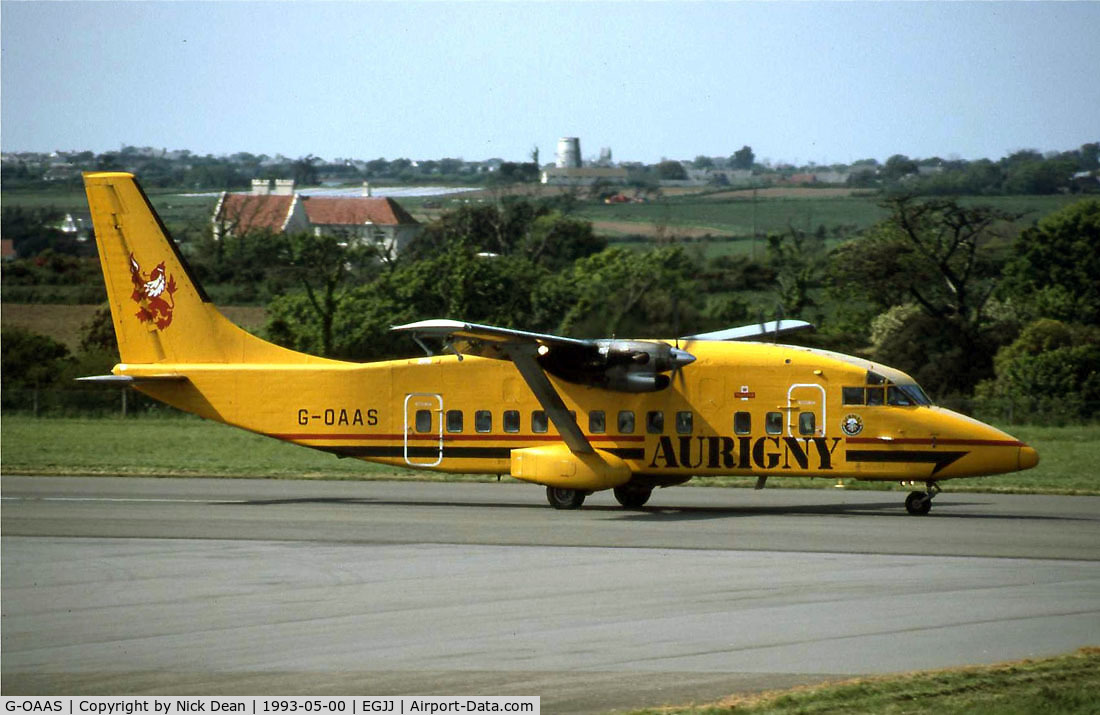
[(679, 359)]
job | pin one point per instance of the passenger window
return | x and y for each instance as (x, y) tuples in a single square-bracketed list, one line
[(539, 422), (773, 423), (483, 421), (597, 422), (895, 396), (874, 395), (655, 422), (511, 420), (626, 422), (807, 423), (423, 420), (742, 423), (454, 420), (684, 422), (853, 395)]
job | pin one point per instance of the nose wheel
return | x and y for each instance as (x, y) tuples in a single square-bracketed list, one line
[(920, 503)]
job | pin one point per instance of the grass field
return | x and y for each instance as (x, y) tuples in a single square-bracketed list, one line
[(175, 445), (1064, 684), (737, 216), (682, 212), (179, 212)]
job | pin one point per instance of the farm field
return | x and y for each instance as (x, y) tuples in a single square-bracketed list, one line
[(681, 213), (805, 210), (180, 212), (188, 446)]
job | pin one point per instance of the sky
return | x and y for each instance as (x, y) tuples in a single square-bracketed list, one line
[(802, 82)]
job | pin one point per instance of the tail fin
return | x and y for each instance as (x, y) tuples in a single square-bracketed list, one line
[(161, 314)]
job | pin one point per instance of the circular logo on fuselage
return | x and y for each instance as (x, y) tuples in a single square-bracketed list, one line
[(852, 425)]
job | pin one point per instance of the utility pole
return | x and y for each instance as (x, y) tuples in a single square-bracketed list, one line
[(754, 222)]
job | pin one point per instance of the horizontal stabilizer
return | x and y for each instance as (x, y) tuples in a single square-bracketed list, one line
[(756, 330), (131, 379)]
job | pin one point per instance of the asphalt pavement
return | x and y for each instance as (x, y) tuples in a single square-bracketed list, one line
[(166, 586)]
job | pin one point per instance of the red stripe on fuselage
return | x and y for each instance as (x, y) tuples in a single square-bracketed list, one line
[(457, 437), (937, 441)]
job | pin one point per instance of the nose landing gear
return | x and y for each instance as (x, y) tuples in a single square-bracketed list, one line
[(920, 503)]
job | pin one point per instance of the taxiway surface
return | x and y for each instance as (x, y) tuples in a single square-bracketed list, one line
[(295, 587)]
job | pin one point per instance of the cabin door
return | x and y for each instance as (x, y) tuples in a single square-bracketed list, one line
[(806, 410), (423, 429)]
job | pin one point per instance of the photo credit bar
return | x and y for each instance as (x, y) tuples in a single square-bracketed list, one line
[(262, 705)]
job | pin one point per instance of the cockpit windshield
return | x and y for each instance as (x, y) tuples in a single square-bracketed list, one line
[(914, 392), (878, 390)]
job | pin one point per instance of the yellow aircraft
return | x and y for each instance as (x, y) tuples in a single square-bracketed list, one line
[(576, 416)]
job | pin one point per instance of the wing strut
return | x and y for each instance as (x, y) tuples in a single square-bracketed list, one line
[(523, 355)]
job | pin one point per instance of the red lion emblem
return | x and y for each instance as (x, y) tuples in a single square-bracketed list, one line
[(153, 293)]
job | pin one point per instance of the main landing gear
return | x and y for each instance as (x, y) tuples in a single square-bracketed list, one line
[(920, 503), (562, 498), (633, 497)]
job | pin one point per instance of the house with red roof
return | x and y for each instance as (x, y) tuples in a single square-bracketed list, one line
[(380, 221)]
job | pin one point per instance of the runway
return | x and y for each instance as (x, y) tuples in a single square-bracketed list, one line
[(294, 587)]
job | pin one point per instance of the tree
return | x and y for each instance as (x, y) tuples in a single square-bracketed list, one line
[(1089, 157), (33, 230), (511, 172), (247, 266), (628, 293), (305, 171), (932, 255), (1041, 176), (743, 158), (1052, 367), (1055, 271), (671, 171), (899, 166), (540, 231), (455, 283), (323, 267), (30, 361), (798, 259)]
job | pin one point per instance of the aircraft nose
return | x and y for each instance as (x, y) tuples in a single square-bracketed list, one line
[(1028, 458)]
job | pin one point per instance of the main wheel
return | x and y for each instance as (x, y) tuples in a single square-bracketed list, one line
[(562, 498), (633, 497), (918, 503)]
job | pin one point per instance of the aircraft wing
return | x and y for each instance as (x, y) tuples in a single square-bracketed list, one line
[(522, 348), (745, 332), (487, 340)]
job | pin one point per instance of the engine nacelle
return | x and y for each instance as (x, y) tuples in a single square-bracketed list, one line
[(555, 465), (620, 365), (622, 381)]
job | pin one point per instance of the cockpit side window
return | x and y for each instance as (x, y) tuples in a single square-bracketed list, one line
[(873, 378), (853, 395), (880, 391)]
